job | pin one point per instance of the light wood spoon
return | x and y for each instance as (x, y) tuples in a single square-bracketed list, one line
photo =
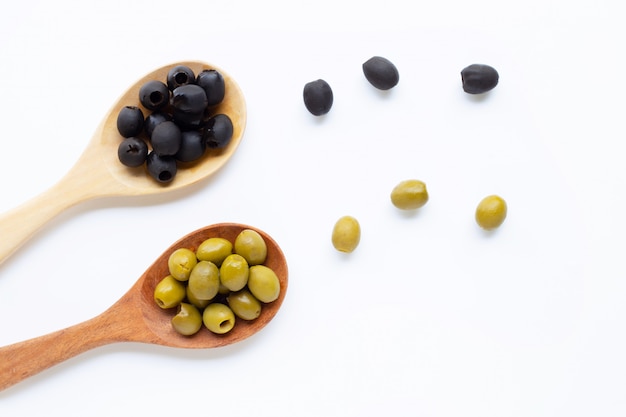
[(137, 318), (98, 172)]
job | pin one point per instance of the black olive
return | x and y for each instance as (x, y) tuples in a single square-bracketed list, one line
[(318, 97), (189, 98), (188, 121), (381, 73), (132, 152), (153, 119), (130, 121), (192, 146), (180, 75), (479, 78), (161, 168), (213, 83), (219, 131), (166, 138), (154, 95)]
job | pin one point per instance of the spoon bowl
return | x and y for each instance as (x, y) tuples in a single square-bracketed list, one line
[(99, 173), (137, 318), (158, 320)]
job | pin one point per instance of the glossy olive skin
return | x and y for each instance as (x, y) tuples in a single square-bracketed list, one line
[(245, 305), (263, 283), (409, 194), (169, 292), (479, 78), (181, 262), (198, 303), (223, 290), (234, 272), (318, 97), (491, 212), (381, 73), (346, 234), (214, 249), (218, 318), (250, 244), (188, 320), (204, 280)]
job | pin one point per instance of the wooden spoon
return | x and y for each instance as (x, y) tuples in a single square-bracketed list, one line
[(137, 318), (98, 172)]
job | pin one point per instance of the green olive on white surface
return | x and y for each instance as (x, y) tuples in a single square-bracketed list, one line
[(346, 234), (409, 194), (491, 212)]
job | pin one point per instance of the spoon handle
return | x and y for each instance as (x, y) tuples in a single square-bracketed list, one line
[(18, 225), (25, 359), (21, 223)]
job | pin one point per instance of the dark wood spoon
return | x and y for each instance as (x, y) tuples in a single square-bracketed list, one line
[(137, 318)]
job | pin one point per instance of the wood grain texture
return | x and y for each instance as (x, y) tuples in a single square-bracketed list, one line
[(136, 317), (98, 172)]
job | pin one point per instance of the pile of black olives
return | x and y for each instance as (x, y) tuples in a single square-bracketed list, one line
[(217, 283), (177, 123)]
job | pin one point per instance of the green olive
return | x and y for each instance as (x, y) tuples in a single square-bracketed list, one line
[(263, 283), (181, 262), (409, 195), (491, 212), (250, 244), (223, 290), (244, 304), (234, 272), (346, 234), (201, 304), (169, 292), (218, 318), (204, 280), (214, 249), (188, 320)]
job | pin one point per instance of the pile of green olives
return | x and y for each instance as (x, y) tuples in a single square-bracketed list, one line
[(217, 283)]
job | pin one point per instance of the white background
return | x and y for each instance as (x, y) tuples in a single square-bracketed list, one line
[(429, 316)]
